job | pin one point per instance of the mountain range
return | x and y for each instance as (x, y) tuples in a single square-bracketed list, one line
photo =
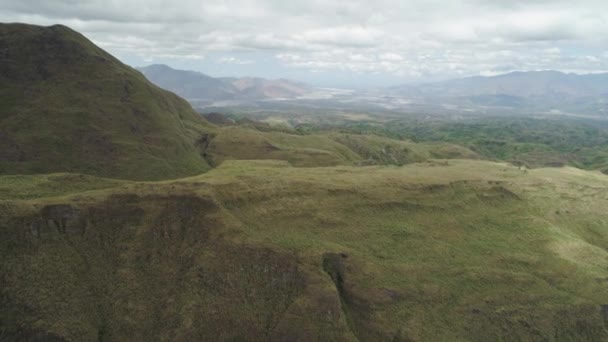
[(529, 84), (127, 216), (532, 90), (202, 89), (529, 92)]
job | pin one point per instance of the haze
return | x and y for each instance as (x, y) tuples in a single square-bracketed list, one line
[(351, 43)]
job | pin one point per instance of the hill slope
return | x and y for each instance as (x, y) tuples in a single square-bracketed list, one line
[(457, 250), (66, 105), (244, 142)]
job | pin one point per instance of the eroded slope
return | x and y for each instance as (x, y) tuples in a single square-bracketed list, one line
[(456, 250)]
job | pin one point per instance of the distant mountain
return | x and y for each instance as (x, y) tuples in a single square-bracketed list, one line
[(68, 106), (542, 90), (520, 84), (200, 88), (188, 84), (260, 88)]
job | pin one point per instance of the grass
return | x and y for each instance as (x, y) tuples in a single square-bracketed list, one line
[(51, 185), (531, 141), (294, 235), (324, 149), (439, 250), (67, 105)]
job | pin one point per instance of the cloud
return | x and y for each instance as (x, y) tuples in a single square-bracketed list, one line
[(392, 57), (413, 39), (234, 60), (341, 36)]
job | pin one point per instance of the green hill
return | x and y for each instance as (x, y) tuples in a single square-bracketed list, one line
[(66, 105), (253, 232), (323, 149), (259, 250)]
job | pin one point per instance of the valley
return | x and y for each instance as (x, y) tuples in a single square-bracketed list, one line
[(127, 215)]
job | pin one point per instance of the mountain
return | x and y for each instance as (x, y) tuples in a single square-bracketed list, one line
[(258, 250), (260, 88), (293, 234), (199, 88), (189, 84), (534, 90), (521, 84), (67, 105)]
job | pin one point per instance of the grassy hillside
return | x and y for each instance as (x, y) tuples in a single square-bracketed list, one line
[(540, 141), (296, 235), (442, 250), (66, 105), (535, 142), (322, 149), (377, 150)]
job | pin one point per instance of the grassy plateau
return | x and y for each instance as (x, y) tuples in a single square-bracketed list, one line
[(440, 250)]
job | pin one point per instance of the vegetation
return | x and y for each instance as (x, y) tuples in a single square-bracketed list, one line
[(260, 142), (534, 142), (456, 250), (381, 229), (66, 105)]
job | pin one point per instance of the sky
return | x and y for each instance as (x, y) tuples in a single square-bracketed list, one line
[(338, 43)]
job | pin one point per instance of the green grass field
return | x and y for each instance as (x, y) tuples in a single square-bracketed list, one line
[(440, 250)]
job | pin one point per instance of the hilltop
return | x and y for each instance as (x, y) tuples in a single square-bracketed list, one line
[(67, 105)]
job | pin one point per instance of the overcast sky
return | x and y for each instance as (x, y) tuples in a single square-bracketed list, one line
[(338, 42)]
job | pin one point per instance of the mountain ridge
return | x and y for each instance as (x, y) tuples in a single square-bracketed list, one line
[(547, 91), (198, 87), (524, 84), (67, 105), (293, 235)]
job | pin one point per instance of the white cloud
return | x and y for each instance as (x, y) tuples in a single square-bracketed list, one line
[(553, 51), (341, 36), (411, 38), (390, 56), (234, 60)]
